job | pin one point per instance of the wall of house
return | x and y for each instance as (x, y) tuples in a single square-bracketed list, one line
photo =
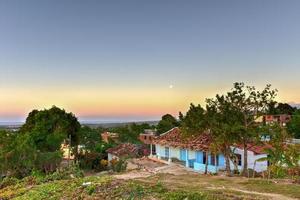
[(259, 166), (175, 153), (111, 156)]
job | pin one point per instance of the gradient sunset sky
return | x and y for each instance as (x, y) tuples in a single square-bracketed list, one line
[(137, 60)]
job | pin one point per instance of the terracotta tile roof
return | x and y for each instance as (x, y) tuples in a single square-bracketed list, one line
[(257, 149), (125, 149), (174, 138)]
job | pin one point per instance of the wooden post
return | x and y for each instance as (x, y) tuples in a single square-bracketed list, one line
[(69, 152)]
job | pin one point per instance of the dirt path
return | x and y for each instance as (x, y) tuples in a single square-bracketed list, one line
[(270, 195), (177, 176)]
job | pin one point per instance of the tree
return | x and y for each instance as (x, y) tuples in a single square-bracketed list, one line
[(93, 149), (17, 154), (294, 125), (251, 104), (48, 128), (166, 123), (223, 122), (130, 133), (281, 108), (194, 120)]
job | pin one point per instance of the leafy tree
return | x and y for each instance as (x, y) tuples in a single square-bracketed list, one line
[(251, 104), (294, 125), (281, 108), (93, 149), (17, 154), (48, 128), (194, 121), (166, 123), (130, 132), (37, 144), (89, 138), (223, 122)]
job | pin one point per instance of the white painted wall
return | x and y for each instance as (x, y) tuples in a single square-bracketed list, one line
[(111, 156), (251, 158), (175, 153)]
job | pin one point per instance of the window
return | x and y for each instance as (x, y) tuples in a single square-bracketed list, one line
[(167, 152), (212, 159), (238, 159)]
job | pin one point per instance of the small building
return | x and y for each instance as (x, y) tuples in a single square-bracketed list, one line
[(106, 136), (122, 150), (282, 119), (194, 152)]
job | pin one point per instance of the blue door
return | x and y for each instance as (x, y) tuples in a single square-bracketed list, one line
[(183, 154)]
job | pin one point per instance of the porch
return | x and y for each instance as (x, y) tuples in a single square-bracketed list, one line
[(195, 160)]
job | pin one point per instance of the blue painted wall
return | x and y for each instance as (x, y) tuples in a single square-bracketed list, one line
[(201, 167), (199, 156), (221, 160)]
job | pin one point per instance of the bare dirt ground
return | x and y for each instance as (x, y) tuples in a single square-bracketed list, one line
[(175, 176)]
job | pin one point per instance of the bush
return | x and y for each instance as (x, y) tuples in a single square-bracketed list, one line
[(103, 164), (8, 181), (66, 173), (91, 189), (118, 165), (180, 195)]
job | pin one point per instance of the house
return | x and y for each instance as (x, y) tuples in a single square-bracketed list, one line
[(122, 150), (106, 136), (127, 150), (282, 119), (193, 152)]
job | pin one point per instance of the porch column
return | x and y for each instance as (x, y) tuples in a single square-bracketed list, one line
[(151, 151), (187, 158), (169, 159)]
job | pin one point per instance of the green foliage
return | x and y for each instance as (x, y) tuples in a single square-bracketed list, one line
[(166, 123), (17, 154), (89, 138), (91, 189), (8, 181), (93, 149), (48, 128), (37, 144), (182, 195), (119, 165), (281, 108), (73, 171), (294, 125), (130, 133), (194, 122)]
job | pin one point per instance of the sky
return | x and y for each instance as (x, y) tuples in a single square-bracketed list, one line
[(137, 60)]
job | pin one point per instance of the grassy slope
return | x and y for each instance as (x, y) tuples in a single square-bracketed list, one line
[(163, 186)]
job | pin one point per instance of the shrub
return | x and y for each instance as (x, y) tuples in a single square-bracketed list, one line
[(8, 181), (118, 165), (72, 171), (103, 164), (91, 189), (180, 195)]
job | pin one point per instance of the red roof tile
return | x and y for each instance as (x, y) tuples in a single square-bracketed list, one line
[(125, 149), (174, 138), (257, 149)]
